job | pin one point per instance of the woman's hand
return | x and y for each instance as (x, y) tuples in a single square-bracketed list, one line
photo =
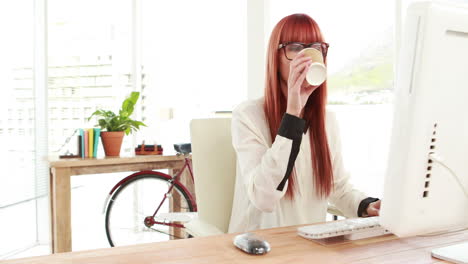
[(297, 92), (374, 209)]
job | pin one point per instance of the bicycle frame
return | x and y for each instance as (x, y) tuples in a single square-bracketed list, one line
[(172, 179)]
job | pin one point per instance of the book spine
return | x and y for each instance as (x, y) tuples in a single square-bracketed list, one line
[(82, 145), (97, 134), (91, 142), (86, 143)]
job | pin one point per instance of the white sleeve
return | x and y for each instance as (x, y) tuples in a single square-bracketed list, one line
[(343, 196), (262, 167)]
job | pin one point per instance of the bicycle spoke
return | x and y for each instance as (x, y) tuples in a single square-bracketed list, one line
[(137, 200)]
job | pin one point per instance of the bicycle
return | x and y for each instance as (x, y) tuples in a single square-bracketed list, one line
[(136, 213)]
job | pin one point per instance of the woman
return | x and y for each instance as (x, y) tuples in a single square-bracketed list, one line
[(289, 163)]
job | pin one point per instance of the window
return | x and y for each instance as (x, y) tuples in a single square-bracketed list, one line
[(89, 66), (194, 63), (90, 63), (18, 177), (89, 52)]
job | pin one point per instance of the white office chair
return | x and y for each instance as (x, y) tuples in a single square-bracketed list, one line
[(214, 165)]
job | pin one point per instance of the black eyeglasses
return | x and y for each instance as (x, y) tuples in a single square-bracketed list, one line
[(291, 49)]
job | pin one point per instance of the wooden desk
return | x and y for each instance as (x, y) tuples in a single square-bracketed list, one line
[(287, 247), (60, 196)]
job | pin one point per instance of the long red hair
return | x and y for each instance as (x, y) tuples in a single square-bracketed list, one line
[(301, 28)]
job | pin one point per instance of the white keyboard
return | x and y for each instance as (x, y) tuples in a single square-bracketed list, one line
[(352, 229)]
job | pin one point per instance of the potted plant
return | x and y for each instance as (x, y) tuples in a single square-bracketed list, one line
[(115, 125)]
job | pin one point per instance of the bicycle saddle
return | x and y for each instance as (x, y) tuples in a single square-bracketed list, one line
[(184, 148)]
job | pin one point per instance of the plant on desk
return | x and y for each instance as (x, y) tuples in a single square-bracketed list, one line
[(115, 125)]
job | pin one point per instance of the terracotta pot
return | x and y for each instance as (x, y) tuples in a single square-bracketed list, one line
[(112, 141)]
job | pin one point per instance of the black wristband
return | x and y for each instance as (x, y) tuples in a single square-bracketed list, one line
[(364, 204), (291, 127)]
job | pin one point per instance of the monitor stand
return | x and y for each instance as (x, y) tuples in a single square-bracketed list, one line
[(457, 253)]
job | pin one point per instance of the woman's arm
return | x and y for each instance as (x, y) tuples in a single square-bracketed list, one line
[(263, 167)]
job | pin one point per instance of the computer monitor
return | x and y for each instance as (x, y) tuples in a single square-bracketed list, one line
[(427, 173)]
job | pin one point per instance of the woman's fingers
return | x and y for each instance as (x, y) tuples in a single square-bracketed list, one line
[(298, 71), (297, 68), (299, 59), (377, 204), (373, 212), (373, 209), (302, 76)]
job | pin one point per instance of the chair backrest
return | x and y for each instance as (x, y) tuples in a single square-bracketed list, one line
[(214, 165)]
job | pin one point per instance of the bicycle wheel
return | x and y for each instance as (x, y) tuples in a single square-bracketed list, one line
[(135, 201)]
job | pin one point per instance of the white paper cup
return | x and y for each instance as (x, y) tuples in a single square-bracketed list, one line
[(317, 73)]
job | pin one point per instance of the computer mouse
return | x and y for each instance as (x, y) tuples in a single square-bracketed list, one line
[(252, 244)]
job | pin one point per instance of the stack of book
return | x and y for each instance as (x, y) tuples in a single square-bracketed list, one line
[(89, 142)]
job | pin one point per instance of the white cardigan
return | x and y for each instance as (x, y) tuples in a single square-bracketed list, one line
[(261, 166)]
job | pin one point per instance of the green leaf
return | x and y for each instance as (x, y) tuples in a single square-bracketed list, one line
[(97, 113), (139, 123), (123, 113), (129, 103), (102, 123), (121, 122)]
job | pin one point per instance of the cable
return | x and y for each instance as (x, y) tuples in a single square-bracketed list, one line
[(437, 159)]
